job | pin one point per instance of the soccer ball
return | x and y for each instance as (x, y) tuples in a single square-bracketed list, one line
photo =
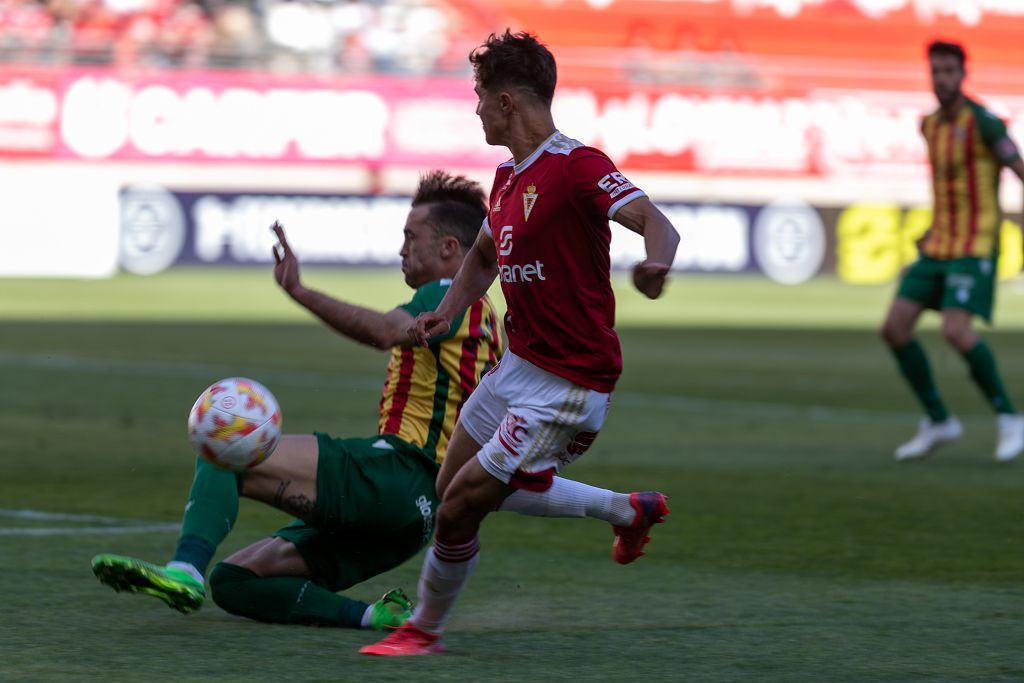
[(235, 424)]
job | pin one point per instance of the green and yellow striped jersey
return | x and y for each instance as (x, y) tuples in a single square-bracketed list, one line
[(965, 182), (426, 387)]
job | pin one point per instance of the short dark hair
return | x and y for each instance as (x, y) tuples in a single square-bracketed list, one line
[(515, 60), (458, 205), (941, 47)]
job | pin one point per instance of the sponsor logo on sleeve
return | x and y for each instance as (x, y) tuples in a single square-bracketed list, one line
[(614, 184)]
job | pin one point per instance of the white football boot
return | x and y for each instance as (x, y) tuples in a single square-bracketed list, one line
[(930, 435), (1011, 437)]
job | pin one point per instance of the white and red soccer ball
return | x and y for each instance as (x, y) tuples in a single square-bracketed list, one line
[(235, 424)]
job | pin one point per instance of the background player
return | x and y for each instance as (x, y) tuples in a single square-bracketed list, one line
[(364, 505), (956, 271), (547, 239)]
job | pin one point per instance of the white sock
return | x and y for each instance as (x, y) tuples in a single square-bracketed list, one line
[(441, 582), (365, 621), (568, 498), (185, 566)]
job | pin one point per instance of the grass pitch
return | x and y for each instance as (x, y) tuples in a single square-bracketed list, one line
[(797, 550)]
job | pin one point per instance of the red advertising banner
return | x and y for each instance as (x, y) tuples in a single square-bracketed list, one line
[(29, 111), (205, 117)]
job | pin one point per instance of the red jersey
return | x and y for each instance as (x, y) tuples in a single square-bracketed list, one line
[(549, 221)]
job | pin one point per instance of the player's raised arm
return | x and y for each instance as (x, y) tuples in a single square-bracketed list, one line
[(660, 240), (477, 272), (373, 328)]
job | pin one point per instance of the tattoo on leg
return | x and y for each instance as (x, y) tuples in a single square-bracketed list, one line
[(279, 495), (299, 504)]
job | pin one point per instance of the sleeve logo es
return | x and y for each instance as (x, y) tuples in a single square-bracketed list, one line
[(614, 184)]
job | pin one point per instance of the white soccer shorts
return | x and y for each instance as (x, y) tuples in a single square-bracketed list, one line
[(531, 423)]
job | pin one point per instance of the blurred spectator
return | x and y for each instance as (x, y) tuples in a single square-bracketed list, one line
[(302, 35), (303, 30), (25, 26), (236, 40), (164, 33), (94, 28)]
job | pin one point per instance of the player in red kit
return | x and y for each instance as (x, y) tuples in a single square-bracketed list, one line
[(546, 238)]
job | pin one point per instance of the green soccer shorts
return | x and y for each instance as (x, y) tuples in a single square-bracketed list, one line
[(967, 283), (375, 506)]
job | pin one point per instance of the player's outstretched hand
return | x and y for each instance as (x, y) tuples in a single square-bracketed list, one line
[(286, 266), (427, 325), (649, 277)]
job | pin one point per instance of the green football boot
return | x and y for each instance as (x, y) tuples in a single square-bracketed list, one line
[(176, 587), (391, 611)]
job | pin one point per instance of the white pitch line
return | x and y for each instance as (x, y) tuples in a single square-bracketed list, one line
[(41, 515), (111, 525), (87, 530)]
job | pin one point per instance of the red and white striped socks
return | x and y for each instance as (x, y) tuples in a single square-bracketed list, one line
[(445, 571)]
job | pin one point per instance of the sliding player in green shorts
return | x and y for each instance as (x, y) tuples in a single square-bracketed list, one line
[(956, 273), (363, 505)]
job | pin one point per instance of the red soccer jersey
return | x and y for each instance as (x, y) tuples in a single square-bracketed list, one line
[(549, 220)]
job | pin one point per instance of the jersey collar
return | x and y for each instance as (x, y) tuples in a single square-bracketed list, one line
[(525, 163)]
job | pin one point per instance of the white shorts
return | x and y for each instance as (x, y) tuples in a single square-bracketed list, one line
[(531, 423)]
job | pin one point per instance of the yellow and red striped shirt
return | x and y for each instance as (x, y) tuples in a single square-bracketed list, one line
[(426, 387), (965, 182)]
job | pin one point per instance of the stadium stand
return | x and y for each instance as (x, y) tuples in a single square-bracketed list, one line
[(706, 44), (410, 36)]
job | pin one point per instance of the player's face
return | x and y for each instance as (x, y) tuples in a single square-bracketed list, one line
[(488, 108), (947, 78), (421, 248)]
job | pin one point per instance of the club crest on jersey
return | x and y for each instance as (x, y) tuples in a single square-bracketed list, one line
[(529, 199)]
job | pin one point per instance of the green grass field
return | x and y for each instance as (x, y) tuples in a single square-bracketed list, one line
[(797, 550)]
